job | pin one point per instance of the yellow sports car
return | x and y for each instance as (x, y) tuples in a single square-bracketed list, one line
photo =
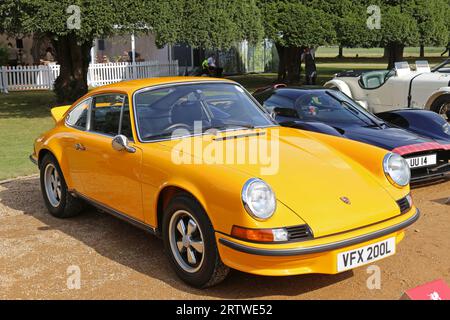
[(198, 162)]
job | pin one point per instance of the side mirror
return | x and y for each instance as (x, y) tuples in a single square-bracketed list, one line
[(285, 112), (120, 143)]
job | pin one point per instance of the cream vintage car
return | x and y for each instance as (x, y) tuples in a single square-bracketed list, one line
[(401, 87)]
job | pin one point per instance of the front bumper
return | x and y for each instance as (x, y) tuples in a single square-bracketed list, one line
[(33, 159), (428, 174), (314, 256)]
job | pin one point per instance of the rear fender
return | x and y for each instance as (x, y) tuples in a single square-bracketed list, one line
[(339, 84)]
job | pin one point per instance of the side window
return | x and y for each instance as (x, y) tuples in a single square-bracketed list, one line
[(277, 100), (78, 116), (107, 114), (125, 128)]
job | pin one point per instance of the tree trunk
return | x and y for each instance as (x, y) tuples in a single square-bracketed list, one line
[(73, 59), (395, 54), (281, 62), (293, 64), (341, 52), (422, 51)]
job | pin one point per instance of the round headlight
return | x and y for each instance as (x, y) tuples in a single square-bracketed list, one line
[(259, 199), (396, 169)]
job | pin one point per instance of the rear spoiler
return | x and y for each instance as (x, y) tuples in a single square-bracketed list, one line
[(59, 112)]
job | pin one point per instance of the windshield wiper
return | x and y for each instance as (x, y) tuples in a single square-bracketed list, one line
[(226, 124)]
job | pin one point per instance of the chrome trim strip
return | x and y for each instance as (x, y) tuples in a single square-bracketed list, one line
[(245, 135), (320, 248), (118, 214)]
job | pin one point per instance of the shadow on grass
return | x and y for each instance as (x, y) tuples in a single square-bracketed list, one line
[(135, 249), (27, 104)]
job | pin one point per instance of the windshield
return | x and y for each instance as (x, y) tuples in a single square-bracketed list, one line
[(194, 107), (443, 67), (331, 107)]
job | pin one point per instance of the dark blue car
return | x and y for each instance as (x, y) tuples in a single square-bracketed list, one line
[(421, 137)]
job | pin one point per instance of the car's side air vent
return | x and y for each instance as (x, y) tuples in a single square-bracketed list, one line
[(404, 204), (298, 233)]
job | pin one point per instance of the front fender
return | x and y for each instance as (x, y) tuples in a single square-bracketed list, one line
[(436, 95), (368, 156)]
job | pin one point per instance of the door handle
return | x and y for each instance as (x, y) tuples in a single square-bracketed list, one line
[(80, 147)]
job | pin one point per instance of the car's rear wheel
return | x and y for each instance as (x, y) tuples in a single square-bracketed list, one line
[(190, 243), (442, 107), (60, 203)]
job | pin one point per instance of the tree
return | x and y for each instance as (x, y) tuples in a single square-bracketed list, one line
[(74, 24), (398, 30), (431, 18), (349, 19), (292, 26), (219, 24)]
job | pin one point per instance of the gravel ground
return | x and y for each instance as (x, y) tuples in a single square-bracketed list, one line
[(118, 261)]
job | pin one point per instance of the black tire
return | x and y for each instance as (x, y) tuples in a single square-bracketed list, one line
[(68, 205), (439, 103), (211, 270)]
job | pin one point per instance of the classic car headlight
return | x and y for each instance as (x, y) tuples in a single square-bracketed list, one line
[(396, 169), (446, 128), (259, 199)]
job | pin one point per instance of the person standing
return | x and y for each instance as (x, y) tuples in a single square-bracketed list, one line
[(12, 55), (310, 66), (210, 68), (48, 57)]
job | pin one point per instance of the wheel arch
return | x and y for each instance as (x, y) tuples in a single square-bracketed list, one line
[(42, 153), (55, 151), (167, 193), (443, 92)]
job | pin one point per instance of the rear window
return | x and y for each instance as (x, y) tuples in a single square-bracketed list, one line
[(78, 116)]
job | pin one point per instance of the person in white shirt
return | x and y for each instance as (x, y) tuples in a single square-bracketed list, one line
[(211, 62)]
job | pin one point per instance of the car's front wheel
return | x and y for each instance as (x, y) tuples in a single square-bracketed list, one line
[(60, 203), (190, 243)]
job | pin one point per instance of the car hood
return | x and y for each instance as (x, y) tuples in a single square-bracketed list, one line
[(387, 138), (309, 177)]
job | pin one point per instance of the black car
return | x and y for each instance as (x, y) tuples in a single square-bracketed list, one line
[(421, 137)]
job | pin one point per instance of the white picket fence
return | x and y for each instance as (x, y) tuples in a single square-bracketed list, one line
[(22, 78)]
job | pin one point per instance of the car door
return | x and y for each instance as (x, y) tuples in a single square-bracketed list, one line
[(112, 178), (71, 142)]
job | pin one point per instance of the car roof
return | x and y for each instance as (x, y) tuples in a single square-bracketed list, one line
[(132, 85)]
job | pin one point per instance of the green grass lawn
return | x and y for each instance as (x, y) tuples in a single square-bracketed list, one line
[(414, 52), (325, 71), (23, 116)]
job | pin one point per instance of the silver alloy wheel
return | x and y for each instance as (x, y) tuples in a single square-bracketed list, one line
[(444, 110), (52, 182), (186, 241)]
